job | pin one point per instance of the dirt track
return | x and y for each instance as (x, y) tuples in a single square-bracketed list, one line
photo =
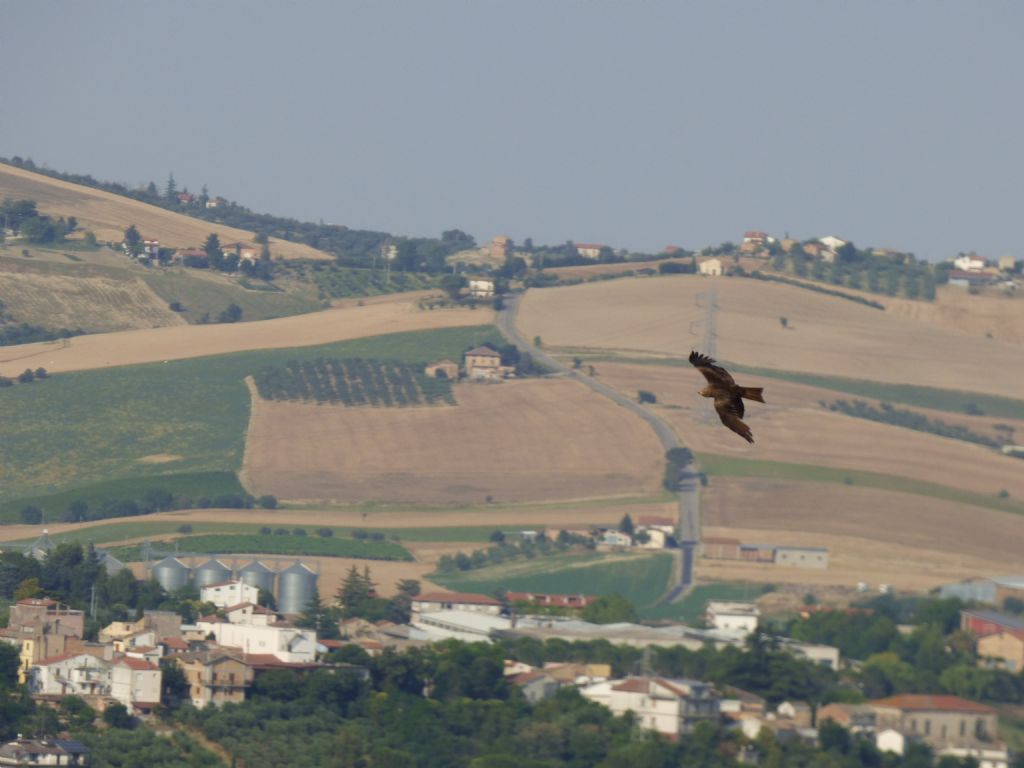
[(174, 343)]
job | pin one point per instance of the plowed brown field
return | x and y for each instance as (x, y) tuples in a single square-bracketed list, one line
[(108, 215), (174, 343), (826, 335), (514, 441)]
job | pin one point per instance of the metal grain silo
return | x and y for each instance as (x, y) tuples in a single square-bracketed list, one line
[(213, 571), (295, 588), (171, 574), (256, 574)]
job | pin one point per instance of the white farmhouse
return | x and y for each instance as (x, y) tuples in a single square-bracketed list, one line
[(669, 706), (227, 593), (732, 616), (832, 242), (455, 601), (282, 641), (481, 287), (711, 267)]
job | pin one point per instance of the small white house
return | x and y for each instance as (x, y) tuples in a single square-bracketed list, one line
[(969, 263), (711, 267), (431, 602), (732, 616), (481, 287), (228, 593), (832, 242), (669, 706), (72, 674), (285, 643)]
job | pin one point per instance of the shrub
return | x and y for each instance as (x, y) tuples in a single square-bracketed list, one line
[(267, 502), (31, 515), (266, 530), (298, 531), (27, 376), (186, 528), (325, 533), (41, 373), (644, 396), (281, 532)]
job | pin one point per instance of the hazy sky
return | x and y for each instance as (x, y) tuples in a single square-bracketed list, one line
[(634, 124)]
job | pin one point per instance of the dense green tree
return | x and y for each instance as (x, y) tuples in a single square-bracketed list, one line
[(609, 609), (453, 285)]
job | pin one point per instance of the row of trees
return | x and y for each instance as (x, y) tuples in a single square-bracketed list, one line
[(24, 218), (13, 332), (146, 503), (901, 417), (504, 549), (353, 381)]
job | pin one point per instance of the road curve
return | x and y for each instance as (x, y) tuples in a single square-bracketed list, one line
[(688, 526)]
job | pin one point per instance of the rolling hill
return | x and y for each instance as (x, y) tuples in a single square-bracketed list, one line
[(108, 215)]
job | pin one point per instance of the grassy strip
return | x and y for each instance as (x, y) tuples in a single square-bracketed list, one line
[(595, 503), (87, 427), (728, 466), (690, 608), (257, 544), (642, 579), (113, 532), (950, 400), (193, 485)]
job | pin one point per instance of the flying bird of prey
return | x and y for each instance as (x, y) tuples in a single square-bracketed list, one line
[(727, 393)]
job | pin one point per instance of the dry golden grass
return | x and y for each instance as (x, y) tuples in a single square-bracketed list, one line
[(993, 312), (96, 304), (514, 441), (827, 335), (400, 313), (792, 427), (876, 536), (108, 215)]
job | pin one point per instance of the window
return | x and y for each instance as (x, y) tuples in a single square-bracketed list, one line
[(913, 726), (927, 727), (963, 727)]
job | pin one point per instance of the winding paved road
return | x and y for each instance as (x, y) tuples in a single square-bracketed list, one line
[(688, 490)]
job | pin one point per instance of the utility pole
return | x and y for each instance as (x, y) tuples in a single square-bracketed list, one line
[(708, 300)]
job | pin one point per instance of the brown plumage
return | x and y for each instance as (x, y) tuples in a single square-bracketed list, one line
[(727, 393)]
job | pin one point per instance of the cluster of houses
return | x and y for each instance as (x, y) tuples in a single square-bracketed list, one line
[(150, 253), (478, 364), (674, 707), (220, 654), (972, 271)]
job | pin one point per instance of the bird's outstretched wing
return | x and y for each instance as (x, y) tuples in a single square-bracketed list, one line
[(716, 375), (730, 411)]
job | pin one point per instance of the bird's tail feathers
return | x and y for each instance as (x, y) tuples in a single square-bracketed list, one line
[(752, 393)]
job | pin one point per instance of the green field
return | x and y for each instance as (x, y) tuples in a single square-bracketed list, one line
[(260, 544), (950, 400), (728, 466), (87, 427), (642, 578), (199, 295), (341, 282)]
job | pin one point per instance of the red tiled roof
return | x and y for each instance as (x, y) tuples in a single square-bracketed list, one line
[(599, 246), (37, 601), (140, 665), (331, 643), (211, 619), (483, 352), (928, 702), (455, 597), (175, 642), (59, 657)]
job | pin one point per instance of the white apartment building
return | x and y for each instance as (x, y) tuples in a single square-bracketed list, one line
[(228, 593)]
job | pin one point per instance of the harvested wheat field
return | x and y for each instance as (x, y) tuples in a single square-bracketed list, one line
[(516, 441), (826, 335), (184, 341), (95, 304), (108, 215), (793, 427), (872, 535)]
